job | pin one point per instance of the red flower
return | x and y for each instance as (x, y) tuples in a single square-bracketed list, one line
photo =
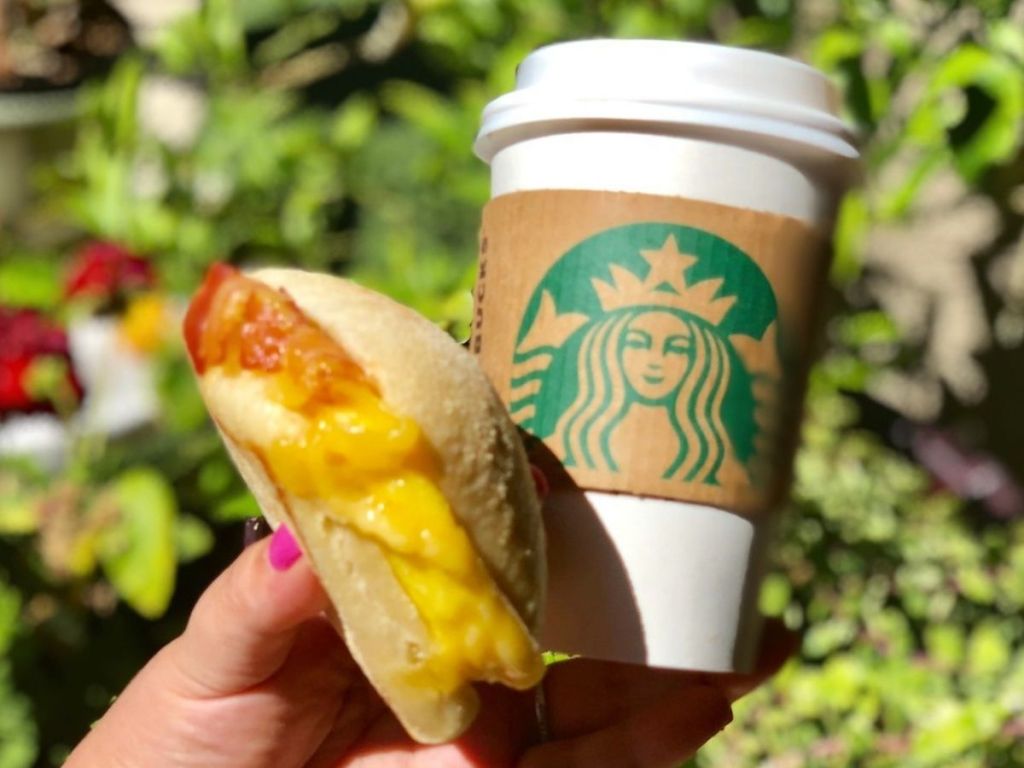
[(103, 270), (27, 337)]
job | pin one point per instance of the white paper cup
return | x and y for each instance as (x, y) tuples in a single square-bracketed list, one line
[(654, 581)]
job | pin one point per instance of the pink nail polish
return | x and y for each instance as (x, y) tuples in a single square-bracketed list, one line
[(284, 550)]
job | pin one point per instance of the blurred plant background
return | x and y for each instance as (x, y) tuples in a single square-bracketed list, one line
[(336, 134)]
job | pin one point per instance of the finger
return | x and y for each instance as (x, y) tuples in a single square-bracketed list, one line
[(577, 693), (576, 689), (540, 482), (664, 733), (244, 625), (504, 727), (497, 737), (300, 704), (362, 708), (778, 644)]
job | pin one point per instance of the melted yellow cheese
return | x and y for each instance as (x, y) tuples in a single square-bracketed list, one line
[(378, 476)]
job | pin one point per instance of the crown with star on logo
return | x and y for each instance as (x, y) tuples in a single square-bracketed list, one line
[(664, 286)]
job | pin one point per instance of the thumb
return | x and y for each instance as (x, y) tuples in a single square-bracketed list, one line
[(245, 624)]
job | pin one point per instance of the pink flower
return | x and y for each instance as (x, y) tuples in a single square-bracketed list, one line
[(27, 338), (103, 270)]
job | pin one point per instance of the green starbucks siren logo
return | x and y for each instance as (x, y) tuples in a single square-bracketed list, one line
[(654, 339)]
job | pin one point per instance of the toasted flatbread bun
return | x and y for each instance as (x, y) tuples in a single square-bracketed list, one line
[(422, 374)]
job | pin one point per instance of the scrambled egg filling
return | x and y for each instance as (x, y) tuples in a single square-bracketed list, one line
[(373, 470)]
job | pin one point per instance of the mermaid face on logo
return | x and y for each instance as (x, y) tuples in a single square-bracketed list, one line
[(656, 347), (657, 350)]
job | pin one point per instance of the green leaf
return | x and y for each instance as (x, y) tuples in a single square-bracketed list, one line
[(10, 609), (178, 46), (183, 408), (976, 584), (48, 378), (997, 135), (641, 20), (117, 103), (890, 629), (192, 538), (952, 727), (138, 551), (354, 122), (18, 515), (988, 650), (898, 201), (294, 36), (844, 675), (975, 102), (870, 327), (29, 281), (825, 638), (18, 732), (835, 46), (428, 110), (216, 476), (775, 9), (239, 507), (83, 551), (845, 372), (227, 34), (850, 234), (897, 36), (20, 484), (555, 657), (776, 594), (945, 645)]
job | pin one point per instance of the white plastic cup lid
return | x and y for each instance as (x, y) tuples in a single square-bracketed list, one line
[(668, 82)]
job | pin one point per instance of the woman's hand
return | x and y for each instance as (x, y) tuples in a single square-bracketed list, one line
[(259, 680)]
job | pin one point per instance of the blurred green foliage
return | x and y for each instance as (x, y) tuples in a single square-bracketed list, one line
[(336, 134)]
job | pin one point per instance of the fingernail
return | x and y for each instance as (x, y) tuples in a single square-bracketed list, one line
[(284, 550), (255, 528), (540, 482)]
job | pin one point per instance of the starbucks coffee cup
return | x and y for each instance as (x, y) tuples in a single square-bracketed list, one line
[(650, 266)]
